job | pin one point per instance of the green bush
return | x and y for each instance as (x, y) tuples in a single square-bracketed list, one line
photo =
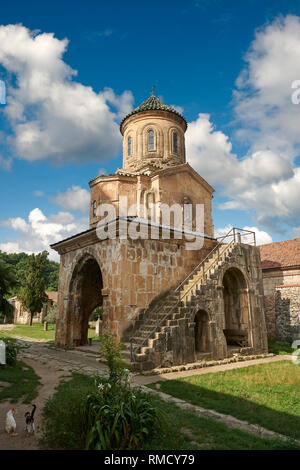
[(101, 413), (52, 314), (97, 313), (12, 350), (118, 417)]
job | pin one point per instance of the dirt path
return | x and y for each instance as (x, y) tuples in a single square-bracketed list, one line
[(49, 378)]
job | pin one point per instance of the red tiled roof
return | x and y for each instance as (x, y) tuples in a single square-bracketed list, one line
[(280, 254), (52, 295)]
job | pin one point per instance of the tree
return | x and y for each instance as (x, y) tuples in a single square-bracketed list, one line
[(33, 295), (18, 262), (52, 314), (7, 282)]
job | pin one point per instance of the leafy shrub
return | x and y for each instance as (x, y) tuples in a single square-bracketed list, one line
[(12, 350), (100, 413), (117, 415), (52, 314), (97, 313)]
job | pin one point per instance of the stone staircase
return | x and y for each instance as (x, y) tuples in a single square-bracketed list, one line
[(175, 308)]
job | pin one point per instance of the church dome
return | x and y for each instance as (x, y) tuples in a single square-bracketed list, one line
[(153, 136), (153, 103)]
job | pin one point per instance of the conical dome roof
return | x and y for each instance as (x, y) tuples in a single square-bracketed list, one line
[(152, 104)]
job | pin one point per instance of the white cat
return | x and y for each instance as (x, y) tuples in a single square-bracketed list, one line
[(10, 424)]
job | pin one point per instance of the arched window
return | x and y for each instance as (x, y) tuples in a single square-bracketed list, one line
[(151, 143), (129, 145), (175, 142), (94, 208)]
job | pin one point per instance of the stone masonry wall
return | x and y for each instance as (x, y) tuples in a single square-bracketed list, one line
[(271, 280), (287, 313), (133, 273)]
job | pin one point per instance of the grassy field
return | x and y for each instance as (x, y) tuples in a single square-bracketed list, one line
[(18, 382), (36, 331), (180, 430), (265, 394)]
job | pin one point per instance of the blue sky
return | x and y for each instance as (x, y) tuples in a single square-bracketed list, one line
[(230, 61)]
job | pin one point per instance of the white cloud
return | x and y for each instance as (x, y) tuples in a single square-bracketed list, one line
[(266, 181), (209, 151), (16, 224), (41, 232), (261, 236), (5, 163), (52, 116), (75, 198), (38, 193)]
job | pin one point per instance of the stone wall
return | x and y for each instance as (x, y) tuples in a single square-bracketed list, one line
[(287, 312), (133, 273), (272, 278), (175, 342)]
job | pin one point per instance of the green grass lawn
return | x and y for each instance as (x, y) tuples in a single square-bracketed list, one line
[(265, 394), (36, 331), (18, 382), (63, 425)]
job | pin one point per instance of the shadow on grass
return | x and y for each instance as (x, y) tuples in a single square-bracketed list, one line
[(285, 421)]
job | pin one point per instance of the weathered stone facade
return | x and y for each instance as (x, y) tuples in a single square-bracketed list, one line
[(281, 267), (131, 273), (287, 313), (174, 304), (237, 281)]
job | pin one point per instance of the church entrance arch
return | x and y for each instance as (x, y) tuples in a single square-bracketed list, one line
[(236, 308), (85, 295), (202, 338)]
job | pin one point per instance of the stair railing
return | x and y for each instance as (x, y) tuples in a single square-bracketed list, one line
[(236, 237)]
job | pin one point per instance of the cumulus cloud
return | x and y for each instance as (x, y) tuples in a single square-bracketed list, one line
[(52, 116), (39, 231), (75, 198), (266, 181), (209, 151), (16, 223), (5, 163), (261, 236)]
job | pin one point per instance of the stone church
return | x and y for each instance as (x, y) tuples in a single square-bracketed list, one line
[(167, 303)]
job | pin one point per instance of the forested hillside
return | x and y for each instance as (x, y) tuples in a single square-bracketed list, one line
[(17, 264)]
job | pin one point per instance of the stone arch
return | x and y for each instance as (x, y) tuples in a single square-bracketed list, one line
[(85, 294), (236, 307), (202, 332)]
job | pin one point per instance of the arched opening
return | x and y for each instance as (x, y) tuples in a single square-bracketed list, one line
[(202, 340), (85, 292), (236, 308), (175, 142)]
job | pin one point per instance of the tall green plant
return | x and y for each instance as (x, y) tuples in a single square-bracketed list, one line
[(117, 415), (7, 282), (33, 294)]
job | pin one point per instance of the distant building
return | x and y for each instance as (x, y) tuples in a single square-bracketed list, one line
[(281, 279), (22, 316)]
